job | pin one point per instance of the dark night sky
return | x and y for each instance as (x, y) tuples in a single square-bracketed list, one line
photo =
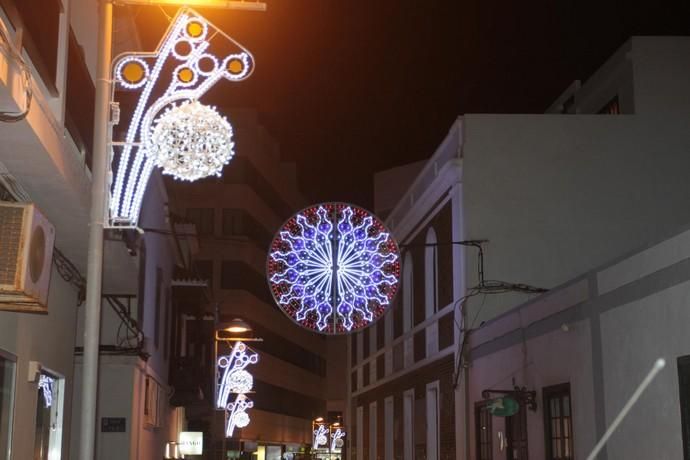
[(348, 87)]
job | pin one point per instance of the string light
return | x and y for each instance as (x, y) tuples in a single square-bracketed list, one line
[(333, 255)]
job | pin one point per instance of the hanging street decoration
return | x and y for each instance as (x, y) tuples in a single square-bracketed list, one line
[(233, 379), (168, 127), (45, 384), (333, 268)]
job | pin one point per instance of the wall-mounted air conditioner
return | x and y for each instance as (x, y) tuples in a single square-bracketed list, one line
[(26, 254)]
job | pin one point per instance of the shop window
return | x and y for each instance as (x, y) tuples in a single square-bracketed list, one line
[(48, 423), (7, 389), (558, 429)]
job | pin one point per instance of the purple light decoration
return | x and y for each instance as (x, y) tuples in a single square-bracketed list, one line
[(333, 254)]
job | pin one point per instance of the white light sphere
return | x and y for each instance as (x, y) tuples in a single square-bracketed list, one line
[(241, 382), (241, 419), (191, 141)]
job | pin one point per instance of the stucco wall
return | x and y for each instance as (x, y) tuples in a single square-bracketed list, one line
[(558, 195), (48, 339)]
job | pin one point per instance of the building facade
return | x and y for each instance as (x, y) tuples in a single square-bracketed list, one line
[(47, 103), (533, 201), (236, 216)]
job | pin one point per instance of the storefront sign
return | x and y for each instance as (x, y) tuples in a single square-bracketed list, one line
[(191, 443)]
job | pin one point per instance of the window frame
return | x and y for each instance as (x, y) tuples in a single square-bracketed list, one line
[(557, 391), (56, 416)]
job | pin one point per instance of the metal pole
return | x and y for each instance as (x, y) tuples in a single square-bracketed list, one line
[(92, 322)]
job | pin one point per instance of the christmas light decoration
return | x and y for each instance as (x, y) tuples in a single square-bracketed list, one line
[(175, 131), (234, 378), (337, 440), (191, 141), (320, 436), (45, 384), (333, 268), (237, 415)]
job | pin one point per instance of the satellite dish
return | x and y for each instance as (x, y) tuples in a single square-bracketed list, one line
[(503, 407)]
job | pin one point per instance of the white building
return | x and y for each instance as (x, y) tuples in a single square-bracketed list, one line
[(553, 195)]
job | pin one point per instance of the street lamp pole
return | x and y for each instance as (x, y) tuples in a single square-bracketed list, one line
[(92, 318)]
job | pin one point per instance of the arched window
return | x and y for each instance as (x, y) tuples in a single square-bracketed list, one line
[(430, 273), (407, 292)]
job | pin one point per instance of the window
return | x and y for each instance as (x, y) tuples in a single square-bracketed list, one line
[(408, 425), (432, 421), (141, 296), (233, 222), (151, 399), (48, 428), (407, 292), (353, 349), (558, 429), (482, 421), (684, 388), (157, 307), (7, 378), (203, 218), (431, 273), (204, 270), (516, 432)]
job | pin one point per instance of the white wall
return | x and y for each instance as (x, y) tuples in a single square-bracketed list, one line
[(633, 337), (48, 339), (558, 195)]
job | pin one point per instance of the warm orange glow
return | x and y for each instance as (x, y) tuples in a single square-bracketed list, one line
[(185, 75), (318, 419), (237, 329), (227, 4), (195, 29), (133, 72), (235, 66)]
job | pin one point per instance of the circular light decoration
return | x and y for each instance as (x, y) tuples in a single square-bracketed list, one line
[(241, 420), (333, 268), (191, 141)]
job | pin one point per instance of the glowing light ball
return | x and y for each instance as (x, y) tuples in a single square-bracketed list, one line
[(191, 141), (334, 268)]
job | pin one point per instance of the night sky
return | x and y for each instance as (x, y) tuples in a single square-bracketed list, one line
[(349, 87)]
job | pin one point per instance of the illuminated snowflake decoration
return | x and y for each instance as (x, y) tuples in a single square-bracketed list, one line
[(320, 436), (191, 141), (334, 268)]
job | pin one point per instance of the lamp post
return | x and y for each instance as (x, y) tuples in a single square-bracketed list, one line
[(92, 319)]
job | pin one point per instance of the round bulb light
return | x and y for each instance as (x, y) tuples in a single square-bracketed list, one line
[(191, 141)]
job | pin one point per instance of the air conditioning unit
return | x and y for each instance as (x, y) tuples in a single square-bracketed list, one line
[(26, 254)]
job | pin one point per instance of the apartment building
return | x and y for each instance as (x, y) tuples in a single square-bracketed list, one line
[(236, 217)]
